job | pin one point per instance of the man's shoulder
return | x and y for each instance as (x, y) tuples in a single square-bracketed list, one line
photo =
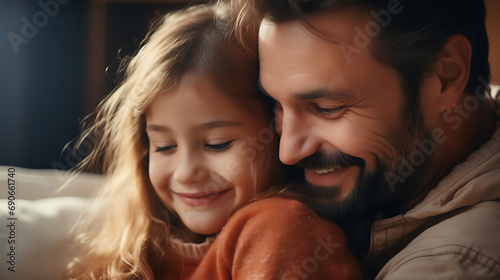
[(475, 227), (464, 244)]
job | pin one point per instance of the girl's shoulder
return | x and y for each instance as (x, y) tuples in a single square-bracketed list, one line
[(274, 205), (281, 217), (279, 238), (274, 208)]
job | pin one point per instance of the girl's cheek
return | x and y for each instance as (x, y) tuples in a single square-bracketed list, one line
[(156, 173)]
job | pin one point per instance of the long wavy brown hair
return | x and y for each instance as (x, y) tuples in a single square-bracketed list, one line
[(127, 235)]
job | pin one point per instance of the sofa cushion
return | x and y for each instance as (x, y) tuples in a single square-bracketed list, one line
[(43, 217)]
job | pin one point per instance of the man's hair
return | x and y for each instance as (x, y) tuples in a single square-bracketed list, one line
[(411, 40)]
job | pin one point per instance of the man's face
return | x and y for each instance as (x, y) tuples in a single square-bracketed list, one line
[(339, 115)]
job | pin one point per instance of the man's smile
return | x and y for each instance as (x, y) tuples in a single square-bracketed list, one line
[(331, 176)]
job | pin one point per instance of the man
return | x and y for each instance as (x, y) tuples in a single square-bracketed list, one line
[(385, 105)]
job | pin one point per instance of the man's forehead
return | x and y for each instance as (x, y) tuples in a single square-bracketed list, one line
[(290, 41), (337, 25), (271, 32)]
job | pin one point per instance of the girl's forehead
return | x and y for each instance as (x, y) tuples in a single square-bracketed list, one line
[(196, 86), (187, 110), (193, 96), (194, 82)]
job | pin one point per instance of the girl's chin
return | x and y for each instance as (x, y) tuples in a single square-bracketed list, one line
[(205, 226)]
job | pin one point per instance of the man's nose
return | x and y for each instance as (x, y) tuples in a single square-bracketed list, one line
[(190, 169), (297, 141)]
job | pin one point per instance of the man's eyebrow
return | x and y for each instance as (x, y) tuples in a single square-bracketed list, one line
[(336, 94)]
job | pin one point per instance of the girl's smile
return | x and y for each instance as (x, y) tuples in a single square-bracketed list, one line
[(201, 198)]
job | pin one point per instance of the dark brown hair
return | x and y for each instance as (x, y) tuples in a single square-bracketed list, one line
[(411, 40)]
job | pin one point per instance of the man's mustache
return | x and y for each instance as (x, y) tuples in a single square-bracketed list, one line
[(323, 160)]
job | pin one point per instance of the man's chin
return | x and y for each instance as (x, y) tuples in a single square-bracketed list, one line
[(325, 195), (340, 208), (342, 203)]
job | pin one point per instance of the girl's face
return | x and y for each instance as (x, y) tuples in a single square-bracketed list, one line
[(202, 149)]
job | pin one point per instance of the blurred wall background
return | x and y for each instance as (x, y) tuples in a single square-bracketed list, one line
[(53, 56), (493, 27), (42, 79)]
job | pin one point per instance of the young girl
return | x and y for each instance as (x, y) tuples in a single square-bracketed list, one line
[(186, 144)]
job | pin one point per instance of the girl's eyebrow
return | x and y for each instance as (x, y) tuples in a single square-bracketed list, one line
[(219, 123), (204, 126), (158, 128)]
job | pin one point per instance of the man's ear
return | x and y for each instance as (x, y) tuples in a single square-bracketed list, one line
[(453, 68)]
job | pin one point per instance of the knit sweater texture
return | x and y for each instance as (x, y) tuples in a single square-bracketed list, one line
[(273, 238)]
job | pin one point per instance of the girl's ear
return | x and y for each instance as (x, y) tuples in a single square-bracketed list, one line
[(453, 69)]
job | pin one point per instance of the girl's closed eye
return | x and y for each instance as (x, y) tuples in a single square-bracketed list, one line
[(217, 146), (167, 148)]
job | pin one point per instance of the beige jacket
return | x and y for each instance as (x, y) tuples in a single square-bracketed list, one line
[(454, 233)]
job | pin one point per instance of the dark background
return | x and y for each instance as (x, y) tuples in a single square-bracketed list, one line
[(58, 76)]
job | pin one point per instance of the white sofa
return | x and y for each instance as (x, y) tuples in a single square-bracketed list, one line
[(44, 215)]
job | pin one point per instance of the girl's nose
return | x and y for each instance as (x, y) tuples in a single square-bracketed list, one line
[(190, 169)]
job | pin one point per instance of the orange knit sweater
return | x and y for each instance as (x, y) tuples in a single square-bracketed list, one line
[(273, 238)]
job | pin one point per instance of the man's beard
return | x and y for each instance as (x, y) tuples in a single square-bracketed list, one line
[(327, 199), (371, 193)]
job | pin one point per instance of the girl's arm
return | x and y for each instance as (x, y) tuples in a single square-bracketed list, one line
[(278, 238)]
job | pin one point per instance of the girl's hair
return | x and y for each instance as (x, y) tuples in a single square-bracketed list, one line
[(128, 237)]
